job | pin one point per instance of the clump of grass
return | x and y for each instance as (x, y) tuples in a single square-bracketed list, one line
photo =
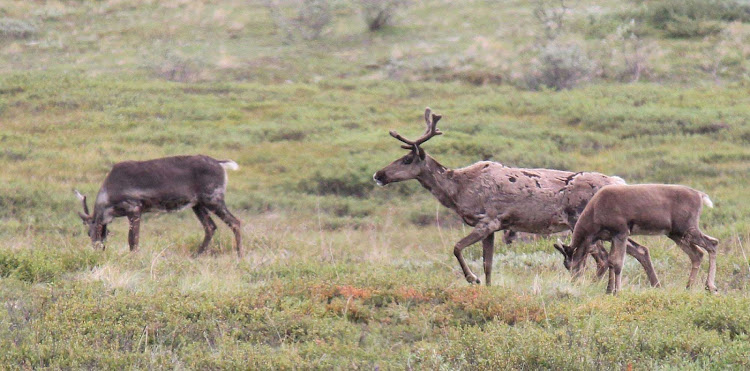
[(378, 14), (178, 67), (11, 28), (312, 18)]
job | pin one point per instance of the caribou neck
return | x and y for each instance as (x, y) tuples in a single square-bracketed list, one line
[(436, 179)]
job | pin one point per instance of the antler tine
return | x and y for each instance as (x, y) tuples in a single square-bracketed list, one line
[(431, 120), (83, 201), (399, 137)]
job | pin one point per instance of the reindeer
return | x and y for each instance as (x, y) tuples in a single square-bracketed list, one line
[(491, 197), (618, 211), (166, 184)]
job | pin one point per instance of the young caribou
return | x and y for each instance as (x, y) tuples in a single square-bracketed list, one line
[(618, 211), (166, 184), (491, 197)]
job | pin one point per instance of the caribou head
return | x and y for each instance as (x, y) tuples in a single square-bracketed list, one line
[(413, 163), (97, 231)]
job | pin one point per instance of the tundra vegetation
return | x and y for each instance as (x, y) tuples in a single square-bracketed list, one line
[(337, 272)]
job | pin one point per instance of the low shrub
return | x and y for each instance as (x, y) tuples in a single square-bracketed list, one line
[(313, 17), (16, 29), (177, 67), (44, 265), (560, 66), (380, 13), (691, 18)]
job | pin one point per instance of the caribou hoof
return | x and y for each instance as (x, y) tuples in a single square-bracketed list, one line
[(712, 290), (473, 279)]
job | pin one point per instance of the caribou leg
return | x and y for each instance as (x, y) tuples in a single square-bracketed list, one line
[(134, 219), (509, 236), (208, 225), (616, 260), (479, 233), (695, 254), (634, 249), (223, 213), (600, 255), (488, 250), (641, 253), (698, 240)]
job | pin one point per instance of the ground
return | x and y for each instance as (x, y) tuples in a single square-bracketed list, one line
[(338, 272)]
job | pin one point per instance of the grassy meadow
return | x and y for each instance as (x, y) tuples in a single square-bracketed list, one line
[(338, 273)]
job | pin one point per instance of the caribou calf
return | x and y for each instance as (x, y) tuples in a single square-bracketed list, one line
[(618, 211), (166, 184)]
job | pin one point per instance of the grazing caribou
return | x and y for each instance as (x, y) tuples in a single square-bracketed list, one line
[(166, 184), (618, 211), (491, 197)]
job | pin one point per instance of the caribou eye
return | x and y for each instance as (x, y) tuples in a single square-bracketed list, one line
[(407, 160)]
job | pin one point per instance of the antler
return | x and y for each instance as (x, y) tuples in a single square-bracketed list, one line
[(81, 197), (431, 120)]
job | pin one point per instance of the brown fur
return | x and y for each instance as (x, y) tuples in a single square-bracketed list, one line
[(166, 184), (491, 197), (618, 211)]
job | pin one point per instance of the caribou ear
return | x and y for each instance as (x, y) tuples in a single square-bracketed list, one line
[(421, 153)]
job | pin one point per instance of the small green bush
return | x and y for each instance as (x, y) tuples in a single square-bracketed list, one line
[(313, 17), (380, 13), (560, 66), (692, 18), (178, 67)]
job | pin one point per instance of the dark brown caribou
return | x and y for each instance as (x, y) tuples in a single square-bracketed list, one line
[(492, 197), (618, 211), (166, 184)]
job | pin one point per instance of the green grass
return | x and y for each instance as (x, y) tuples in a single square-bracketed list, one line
[(340, 273)]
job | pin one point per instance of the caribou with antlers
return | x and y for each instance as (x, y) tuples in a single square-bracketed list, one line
[(166, 184), (492, 197)]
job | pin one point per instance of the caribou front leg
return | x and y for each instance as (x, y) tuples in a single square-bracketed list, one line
[(640, 253), (134, 230), (480, 232), (488, 250)]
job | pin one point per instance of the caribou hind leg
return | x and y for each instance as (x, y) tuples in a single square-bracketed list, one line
[(695, 254), (223, 213), (208, 225), (700, 240)]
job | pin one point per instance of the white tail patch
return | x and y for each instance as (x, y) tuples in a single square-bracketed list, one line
[(706, 200), (618, 180), (229, 164)]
